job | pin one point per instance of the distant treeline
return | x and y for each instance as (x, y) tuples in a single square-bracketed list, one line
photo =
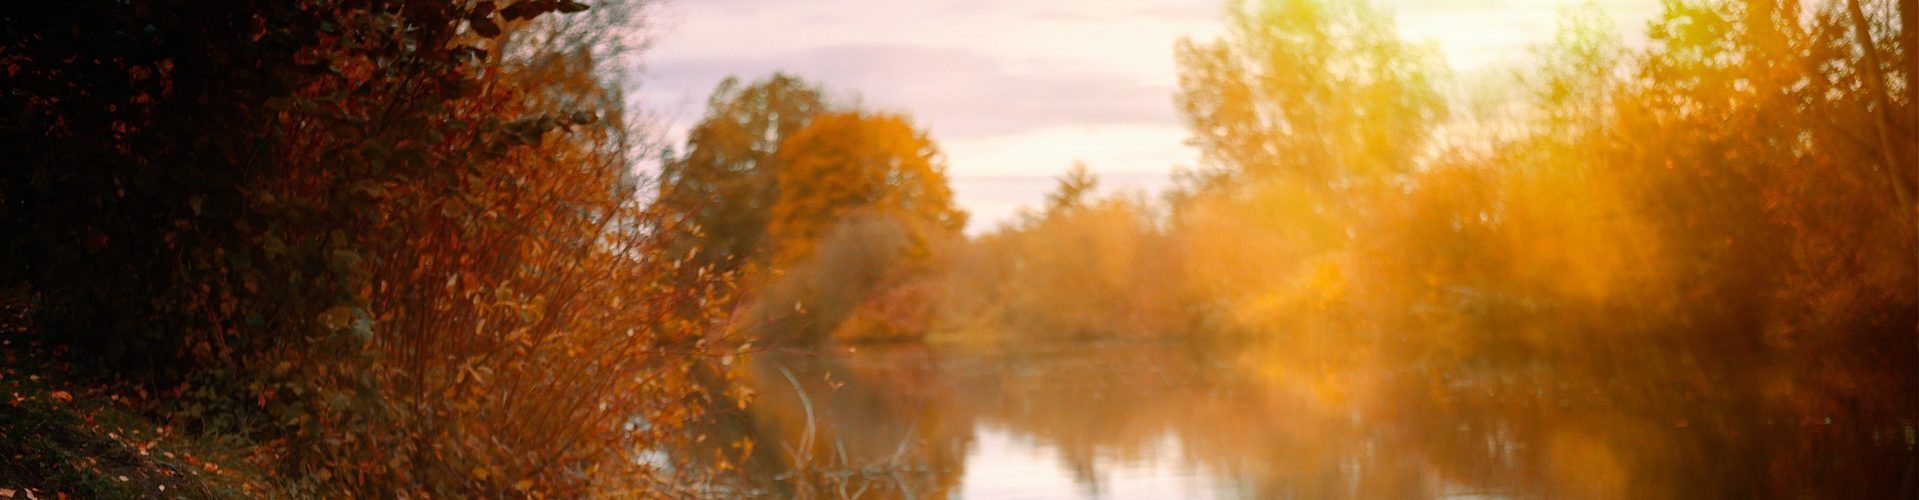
[(1743, 183), (1722, 221), (1749, 172)]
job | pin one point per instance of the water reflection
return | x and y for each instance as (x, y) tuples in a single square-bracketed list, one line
[(1174, 420)]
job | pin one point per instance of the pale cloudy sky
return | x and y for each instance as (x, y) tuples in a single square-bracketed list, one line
[(1015, 90)]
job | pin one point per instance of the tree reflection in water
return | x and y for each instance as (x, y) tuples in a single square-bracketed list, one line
[(1107, 420)]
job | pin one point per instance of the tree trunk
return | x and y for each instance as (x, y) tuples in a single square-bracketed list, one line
[(1883, 114)]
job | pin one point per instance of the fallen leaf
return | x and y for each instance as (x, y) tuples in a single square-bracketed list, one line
[(62, 396)]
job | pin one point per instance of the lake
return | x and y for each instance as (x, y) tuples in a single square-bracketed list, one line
[(1171, 420)]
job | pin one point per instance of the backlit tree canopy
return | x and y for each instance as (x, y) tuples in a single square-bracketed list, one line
[(1315, 90)]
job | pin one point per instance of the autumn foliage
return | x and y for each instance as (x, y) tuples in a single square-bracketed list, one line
[(402, 247), (396, 244), (1720, 221), (837, 218)]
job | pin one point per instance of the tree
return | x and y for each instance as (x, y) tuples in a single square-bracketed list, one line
[(722, 187), (1301, 113), (1317, 90), (1073, 189), (863, 208), (844, 164), (396, 244)]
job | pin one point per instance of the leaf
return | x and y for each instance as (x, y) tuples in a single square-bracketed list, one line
[(569, 7), (62, 396), (524, 9), (484, 27)]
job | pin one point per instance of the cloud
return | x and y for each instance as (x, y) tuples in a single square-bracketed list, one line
[(956, 92)]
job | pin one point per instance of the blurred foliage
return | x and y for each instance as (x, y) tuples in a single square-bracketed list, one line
[(848, 162), (1720, 221), (724, 183), (835, 218)]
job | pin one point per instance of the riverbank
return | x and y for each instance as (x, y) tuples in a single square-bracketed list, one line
[(63, 438)]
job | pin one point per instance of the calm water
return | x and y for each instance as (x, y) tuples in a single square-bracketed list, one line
[(1174, 421)]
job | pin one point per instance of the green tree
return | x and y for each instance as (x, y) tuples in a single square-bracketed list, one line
[(722, 187)]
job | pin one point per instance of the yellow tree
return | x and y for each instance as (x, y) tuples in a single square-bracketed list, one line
[(1319, 90), (1302, 111)]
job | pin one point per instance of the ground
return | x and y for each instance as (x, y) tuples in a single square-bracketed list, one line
[(60, 438)]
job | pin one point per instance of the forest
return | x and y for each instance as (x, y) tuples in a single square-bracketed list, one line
[(324, 248)]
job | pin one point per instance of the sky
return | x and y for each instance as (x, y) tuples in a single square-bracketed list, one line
[(1015, 91)]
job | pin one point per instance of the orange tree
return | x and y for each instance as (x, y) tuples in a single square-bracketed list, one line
[(863, 205)]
